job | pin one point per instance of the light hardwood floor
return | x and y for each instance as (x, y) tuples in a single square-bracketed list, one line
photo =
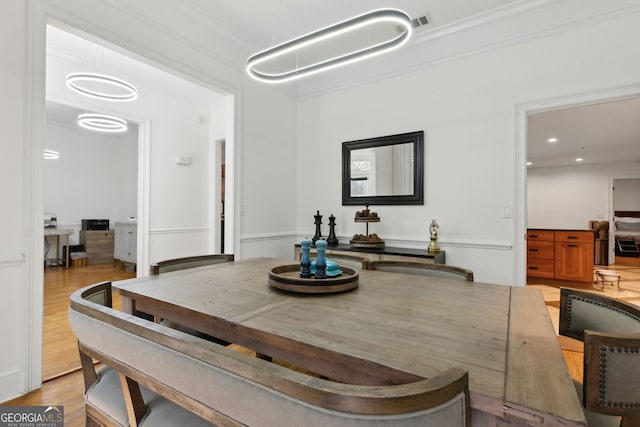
[(60, 358), (60, 349)]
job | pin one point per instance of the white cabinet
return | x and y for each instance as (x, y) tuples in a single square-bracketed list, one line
[(126, 242)]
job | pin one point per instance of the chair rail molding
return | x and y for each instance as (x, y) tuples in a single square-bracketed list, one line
[(12, 262), (245, 238), (178, 230)]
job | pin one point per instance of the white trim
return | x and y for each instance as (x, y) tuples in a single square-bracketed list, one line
[(482, 18), (182, 230), (144, 185), (419, 55), (12, 262), (520, 156), (34, 192), (246, 238)]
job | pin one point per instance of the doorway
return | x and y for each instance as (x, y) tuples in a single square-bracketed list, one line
[(176, 137), (594, 198)]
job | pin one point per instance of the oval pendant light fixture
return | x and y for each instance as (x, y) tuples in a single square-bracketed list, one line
[(102, 123), (354, 39), (102, 87)]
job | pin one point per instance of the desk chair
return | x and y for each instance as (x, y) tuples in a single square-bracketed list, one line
[(423, 269), (610, 330)]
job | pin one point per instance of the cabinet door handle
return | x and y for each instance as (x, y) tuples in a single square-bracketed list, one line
[(572, 237), (571, 245), (535, 236), (533, 250), (533, 268)]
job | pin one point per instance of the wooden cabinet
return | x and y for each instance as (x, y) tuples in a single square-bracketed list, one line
[(384, 254), (560, 254), (126, 242), (540, 254), (98, 244)]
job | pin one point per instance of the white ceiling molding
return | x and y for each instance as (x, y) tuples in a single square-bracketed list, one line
[(547, 18)]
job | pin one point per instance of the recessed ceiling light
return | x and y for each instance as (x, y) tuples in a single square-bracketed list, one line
[(51, 155), (102, 122), (579, 159), (529, 163), (552, 140), (102, 87)]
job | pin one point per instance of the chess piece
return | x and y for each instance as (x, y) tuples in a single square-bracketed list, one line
[(332, 240), (318, 221)]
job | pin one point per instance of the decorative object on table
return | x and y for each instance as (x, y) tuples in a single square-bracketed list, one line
[(433, 231), (305, 261), (286, 278), (321, 263), (332, 268), (332, 240), (367, 240), (318, 221)]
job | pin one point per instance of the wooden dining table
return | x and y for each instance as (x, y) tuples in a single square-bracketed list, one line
[(502, 335)]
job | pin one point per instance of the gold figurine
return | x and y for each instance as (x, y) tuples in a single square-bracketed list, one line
[(433, 229)]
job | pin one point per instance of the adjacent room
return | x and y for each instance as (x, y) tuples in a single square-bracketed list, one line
[(320, 212)]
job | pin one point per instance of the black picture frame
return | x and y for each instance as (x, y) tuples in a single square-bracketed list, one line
[(417, 198)]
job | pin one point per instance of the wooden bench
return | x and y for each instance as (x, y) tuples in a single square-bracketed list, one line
[(167, 377)]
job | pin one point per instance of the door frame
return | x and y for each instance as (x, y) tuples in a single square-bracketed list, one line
[(520, 155)]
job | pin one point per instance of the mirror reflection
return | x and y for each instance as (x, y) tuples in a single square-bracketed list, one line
[(382, 171), (385, 170)]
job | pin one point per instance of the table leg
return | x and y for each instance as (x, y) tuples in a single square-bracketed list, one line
[(67, 254)]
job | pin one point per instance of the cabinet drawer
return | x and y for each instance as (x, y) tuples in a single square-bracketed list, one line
[(540, 268), (574, 236), (539, 250), (540, 235)]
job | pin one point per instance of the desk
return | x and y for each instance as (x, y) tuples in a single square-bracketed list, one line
[(502, 335), (57, 232)]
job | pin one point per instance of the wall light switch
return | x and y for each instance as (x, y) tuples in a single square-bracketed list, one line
[(508, 212), (183, 160)]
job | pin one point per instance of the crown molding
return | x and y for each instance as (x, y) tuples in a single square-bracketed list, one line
[(480, 34)]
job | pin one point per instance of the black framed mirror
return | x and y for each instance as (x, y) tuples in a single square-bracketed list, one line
[(387, 170)]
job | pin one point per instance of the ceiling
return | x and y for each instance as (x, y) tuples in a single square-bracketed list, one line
[(597, 133), (604, 132), (268, 22)]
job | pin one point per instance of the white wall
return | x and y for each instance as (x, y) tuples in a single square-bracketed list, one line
[(96, 176), (18, 209), (626, 196), (466, 108), (570, 196)]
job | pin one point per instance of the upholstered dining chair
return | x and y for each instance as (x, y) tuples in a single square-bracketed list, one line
[(610, 330), (106, 402), (189, 262), (423, 269), (177, 264)]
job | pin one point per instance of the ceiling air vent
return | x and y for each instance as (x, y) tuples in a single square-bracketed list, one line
[(421, 21)]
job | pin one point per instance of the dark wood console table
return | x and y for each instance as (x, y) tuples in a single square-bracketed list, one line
[(381, 254)]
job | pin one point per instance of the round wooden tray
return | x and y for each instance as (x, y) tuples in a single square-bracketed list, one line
[(287, 278)]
